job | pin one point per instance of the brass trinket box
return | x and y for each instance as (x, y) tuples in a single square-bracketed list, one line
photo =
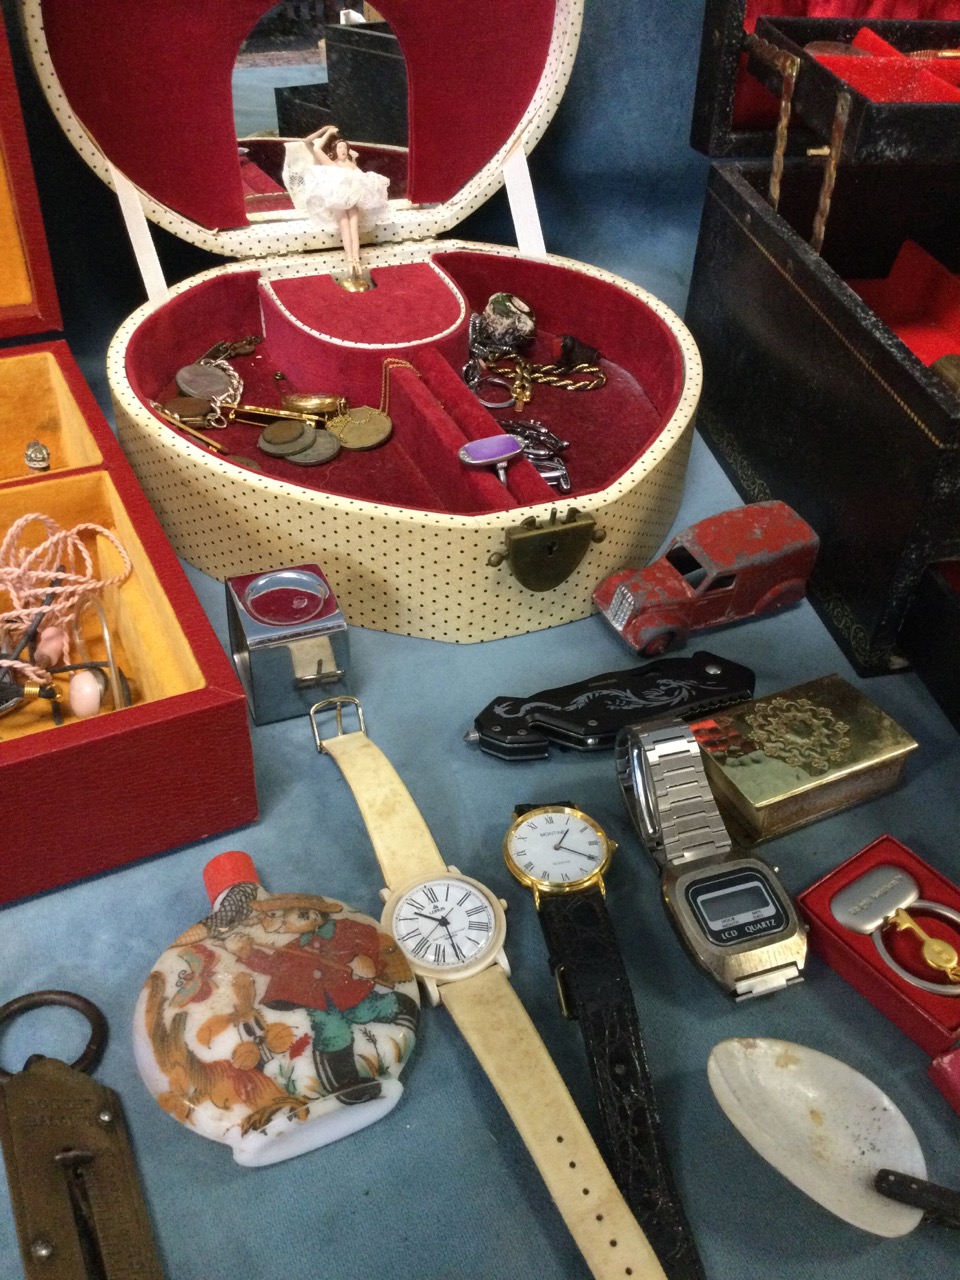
[(787, 759)]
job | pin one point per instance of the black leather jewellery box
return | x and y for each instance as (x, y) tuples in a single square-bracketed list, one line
[(825, 296)]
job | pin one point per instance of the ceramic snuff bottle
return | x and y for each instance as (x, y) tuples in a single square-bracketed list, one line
[(278, 1023)]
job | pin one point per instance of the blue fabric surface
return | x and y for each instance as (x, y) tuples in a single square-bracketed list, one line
[(442, 1189)]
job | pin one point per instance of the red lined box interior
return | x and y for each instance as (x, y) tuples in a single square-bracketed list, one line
[(932, 1021)]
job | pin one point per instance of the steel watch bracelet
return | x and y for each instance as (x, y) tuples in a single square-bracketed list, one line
[(668, 795)]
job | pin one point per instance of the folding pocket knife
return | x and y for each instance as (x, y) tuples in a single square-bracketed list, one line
[(588, 715)]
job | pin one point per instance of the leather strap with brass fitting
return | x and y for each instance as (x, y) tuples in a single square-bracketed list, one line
[(76, 1196)]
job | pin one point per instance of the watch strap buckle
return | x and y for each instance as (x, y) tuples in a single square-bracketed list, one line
[(563, 995), (339, 702), (759, 984)]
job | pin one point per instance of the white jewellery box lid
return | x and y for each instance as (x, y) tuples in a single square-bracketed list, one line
[(144, 93)]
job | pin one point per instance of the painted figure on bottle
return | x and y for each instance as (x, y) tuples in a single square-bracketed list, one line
[(277, 1024)]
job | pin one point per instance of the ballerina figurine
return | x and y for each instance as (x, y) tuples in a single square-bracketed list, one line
[(324, 180)]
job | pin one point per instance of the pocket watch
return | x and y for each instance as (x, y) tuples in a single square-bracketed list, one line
[(452, 930), (731, 912), (561, 855)]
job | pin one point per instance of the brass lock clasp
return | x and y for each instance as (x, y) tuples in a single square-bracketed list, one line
[(542, 556)]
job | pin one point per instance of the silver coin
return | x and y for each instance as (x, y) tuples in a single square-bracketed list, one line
[(205, 381), (284, 448), (325, 447)]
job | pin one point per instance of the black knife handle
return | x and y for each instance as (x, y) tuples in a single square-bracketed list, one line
[(587, 715), (939, 1204)]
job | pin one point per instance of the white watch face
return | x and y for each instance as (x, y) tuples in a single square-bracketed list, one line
[(445, 923), (556, 846)]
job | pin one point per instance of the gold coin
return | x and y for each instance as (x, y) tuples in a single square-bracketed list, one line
[(361, 428), (307, 402)]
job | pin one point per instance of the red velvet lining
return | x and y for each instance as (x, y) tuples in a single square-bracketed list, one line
[(888, 75), (755, 107), (890, 79), (862, 10), (409, 304), (151, 83), (434, 414), (623, 329), (394, 303), (919, 300), (943, 68), (260, 193), (468, 91)]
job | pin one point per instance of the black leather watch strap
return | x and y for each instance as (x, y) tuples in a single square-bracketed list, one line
[(595, 989)]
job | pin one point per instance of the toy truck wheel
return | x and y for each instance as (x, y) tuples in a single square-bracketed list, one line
[(661, 642), (781, 596)]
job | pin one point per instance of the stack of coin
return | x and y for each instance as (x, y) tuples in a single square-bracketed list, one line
[(298, 441)]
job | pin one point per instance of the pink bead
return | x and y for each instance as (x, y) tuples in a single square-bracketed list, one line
[(86, 694), (51, 647)]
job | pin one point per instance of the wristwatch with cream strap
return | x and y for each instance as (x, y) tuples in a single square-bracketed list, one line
[(452, 929)]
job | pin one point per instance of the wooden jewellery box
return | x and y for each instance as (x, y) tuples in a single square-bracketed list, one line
[(826, 289), (411, 540), (90, 795)]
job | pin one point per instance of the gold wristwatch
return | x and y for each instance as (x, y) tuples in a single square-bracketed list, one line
[(452, 930)]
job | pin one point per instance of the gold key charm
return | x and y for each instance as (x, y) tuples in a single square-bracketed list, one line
[(936, 952), (76, 1197)]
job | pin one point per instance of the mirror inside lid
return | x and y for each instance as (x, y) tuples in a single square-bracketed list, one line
[(735, 114), (159, 90)]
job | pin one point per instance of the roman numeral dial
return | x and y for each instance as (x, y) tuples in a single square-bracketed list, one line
[(556, 847), (445, 923)]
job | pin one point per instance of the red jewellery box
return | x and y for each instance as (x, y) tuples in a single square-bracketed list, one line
[(413, 540), (825, 295), (90, 795), (853, 926)]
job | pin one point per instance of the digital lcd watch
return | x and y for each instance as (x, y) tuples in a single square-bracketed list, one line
[(731, 912)]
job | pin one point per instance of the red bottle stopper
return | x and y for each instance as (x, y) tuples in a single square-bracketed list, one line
[(226, 870)]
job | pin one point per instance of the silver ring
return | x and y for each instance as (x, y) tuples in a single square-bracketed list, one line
[(497, 382)]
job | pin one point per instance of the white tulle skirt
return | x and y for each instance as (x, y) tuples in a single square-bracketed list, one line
[(325, 191)]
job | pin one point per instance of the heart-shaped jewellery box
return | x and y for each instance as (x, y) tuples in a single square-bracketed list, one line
[(148, 105)]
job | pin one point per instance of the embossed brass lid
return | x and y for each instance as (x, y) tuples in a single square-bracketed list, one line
[(786, 759)]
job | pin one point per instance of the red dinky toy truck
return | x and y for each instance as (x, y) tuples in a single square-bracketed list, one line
[(731, 566)]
